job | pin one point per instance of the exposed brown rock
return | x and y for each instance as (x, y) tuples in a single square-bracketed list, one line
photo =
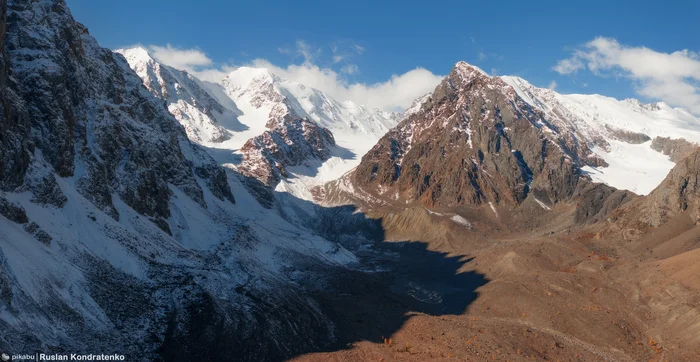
[(628, 136), (594, 202), (290, 142), (676, 149), (475, 141), (680, 191), (91, 114)]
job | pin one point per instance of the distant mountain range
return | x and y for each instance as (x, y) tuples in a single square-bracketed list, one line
[(625, 144), (272, 128)]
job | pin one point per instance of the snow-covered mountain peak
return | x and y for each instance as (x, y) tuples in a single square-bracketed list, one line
[(246, 78), (416, 105), (263, 90), (255, 86), (137, 53), (467, 69), (205, 120), (528, 92), (628, 134), (251, 105)]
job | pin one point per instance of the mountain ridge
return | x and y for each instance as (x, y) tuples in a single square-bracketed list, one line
[(121, 234), (470, 119), (117, 233), (199, 112), (288, 129), (616, 130)]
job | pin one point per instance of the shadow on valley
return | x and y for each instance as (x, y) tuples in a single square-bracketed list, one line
[(395, 280), (392, 280), (320, 307)]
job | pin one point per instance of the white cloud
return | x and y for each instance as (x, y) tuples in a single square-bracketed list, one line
[(568, 66), (214, 75), (307, 51), (488, 55), (191, 60), (396, 93), (186, 59), (359, 49), (552, 85), (343, 51), (350, 69), (670, 77)]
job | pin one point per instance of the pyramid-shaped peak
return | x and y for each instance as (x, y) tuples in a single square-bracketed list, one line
[(463, 67), (135, 54)]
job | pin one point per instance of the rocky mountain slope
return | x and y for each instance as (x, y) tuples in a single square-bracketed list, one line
[(492, 140), (120, 235), (290, 142), (474, 142), (204, 118), (634, 139), (676, 198)]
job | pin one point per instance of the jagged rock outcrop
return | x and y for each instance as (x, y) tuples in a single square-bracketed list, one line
[(290, 142), (677, 195), (595, 201), (679, 192), (598, 128), (675, 149), (627, 136), (93, 120), (15, 143), (475, 141), (296, 123)]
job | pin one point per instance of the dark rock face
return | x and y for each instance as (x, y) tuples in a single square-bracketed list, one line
[(594, 202), (206, 329), (13, 212), (475, 141), (676, 149), (628, 136), (15, 145), (679, 192), (289, 142), (79, 110), (77, 127), (17, 214)]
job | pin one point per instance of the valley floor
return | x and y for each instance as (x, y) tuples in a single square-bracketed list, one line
[(549, 293)]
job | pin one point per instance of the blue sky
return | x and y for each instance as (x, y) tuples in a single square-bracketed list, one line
[(381, 38)]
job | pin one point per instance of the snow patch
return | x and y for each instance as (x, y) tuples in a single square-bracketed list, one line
[(542, 204), (461, 221), (636, 168), (493, 208)]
